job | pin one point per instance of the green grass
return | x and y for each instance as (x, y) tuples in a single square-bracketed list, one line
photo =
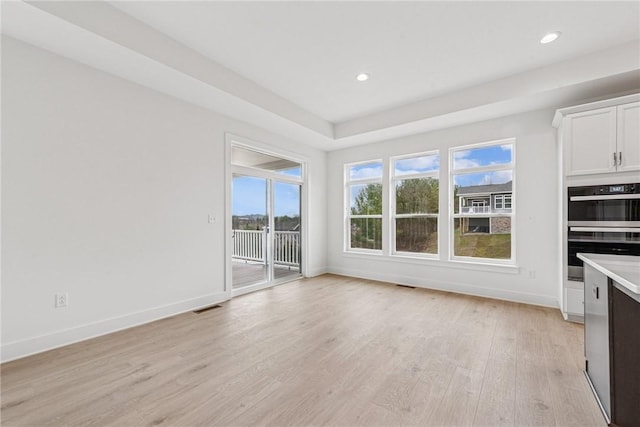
[(427, 246), (496, 246)]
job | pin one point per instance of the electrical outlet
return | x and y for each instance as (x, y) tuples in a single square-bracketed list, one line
[(62, 300), (212, 219), (532, 274)]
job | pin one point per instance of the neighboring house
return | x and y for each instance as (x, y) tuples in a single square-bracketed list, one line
[(485, 201)]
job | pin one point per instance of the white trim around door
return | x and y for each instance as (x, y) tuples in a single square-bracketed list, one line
[(232, 141)]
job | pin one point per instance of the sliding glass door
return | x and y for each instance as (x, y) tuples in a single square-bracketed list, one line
[(265, 220), (250, 228), (286, 230)]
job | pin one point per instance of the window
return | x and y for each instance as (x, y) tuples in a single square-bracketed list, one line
[(364, 201), (502, 201), (415, 208), (481, 174)]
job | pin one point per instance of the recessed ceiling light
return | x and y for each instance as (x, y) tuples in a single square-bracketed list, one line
[(549, 37), (362, 77)]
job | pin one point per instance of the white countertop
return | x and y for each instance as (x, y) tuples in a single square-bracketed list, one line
[(624, 269)]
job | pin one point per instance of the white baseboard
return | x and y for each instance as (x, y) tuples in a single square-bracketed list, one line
[(461, 288), (318, 271), (22, 348), (575, 318)]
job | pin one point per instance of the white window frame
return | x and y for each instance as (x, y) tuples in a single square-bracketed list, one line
[(348, 183), (231, 141), (489, 168), (393, 179)]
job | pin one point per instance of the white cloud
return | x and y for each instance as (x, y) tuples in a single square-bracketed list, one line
[(417, 165), (419, 162), (461, 160), (366, 172), (497, 177), (501, 177), (463, 163)]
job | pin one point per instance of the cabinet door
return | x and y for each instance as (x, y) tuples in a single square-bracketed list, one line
[(590, 142), (596, 333), (629, 136)]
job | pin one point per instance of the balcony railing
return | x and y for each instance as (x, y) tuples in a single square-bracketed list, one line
[(250, 245), (482, 210), (476, 209)]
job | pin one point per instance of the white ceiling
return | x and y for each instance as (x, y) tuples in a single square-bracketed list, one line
[(290, 67), (310, 52)]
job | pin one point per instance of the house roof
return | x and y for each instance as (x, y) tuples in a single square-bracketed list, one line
[(486, 189)]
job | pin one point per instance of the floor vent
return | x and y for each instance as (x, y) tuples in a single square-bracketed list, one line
[(407, 286), (211, 307)]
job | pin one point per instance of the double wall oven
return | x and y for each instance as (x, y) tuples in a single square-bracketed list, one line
[(602, 219)]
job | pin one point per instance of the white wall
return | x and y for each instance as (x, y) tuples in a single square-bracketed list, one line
[(106, 189), (537, 214)]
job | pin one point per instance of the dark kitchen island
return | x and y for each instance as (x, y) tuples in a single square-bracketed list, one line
[(612, 334)]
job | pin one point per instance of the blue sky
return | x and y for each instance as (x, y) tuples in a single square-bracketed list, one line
[(485, 156), (250, 197), (462, 159), (366, 171)]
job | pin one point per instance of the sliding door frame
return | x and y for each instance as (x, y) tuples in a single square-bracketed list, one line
[(231, 141)]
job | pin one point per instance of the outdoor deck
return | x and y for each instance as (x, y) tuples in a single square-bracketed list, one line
[(247, 273), (249, 254)]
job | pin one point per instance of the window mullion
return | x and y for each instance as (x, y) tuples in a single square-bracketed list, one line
[(435, 175), (480, 169)]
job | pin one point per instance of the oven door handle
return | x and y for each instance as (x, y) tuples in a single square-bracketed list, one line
[(606, 229), (604, 197)]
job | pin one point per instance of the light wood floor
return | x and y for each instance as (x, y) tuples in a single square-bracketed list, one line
[(323, 351)]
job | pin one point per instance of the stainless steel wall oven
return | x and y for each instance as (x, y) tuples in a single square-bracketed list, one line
[(602, 219)]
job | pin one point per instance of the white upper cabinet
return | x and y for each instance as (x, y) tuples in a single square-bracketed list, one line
[(628, 137), (590, 142), (602, 140)]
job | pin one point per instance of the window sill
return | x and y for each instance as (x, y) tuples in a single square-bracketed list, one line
[(365, 252), (416, 256), (480, 265), (433, 261)]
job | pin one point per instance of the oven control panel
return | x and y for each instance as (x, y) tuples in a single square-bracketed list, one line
[(617, 189)]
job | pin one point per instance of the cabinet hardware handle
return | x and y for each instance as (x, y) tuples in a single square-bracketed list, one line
[(615, 159), (620, 158)]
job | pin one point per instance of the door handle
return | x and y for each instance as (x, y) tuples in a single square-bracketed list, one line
[(620, 158), (615, 159), (596, 292)]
